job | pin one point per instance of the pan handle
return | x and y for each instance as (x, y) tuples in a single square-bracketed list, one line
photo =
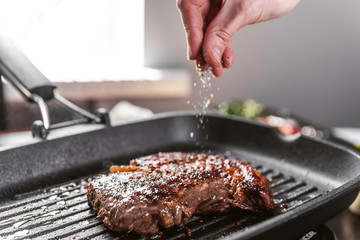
[(17, 69)]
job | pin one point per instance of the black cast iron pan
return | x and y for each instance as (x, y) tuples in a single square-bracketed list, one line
[(42, 194), (316, 179)]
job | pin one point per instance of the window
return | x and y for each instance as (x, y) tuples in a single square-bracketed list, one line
[(82, 40)]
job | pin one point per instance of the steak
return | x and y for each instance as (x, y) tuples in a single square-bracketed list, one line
[(166, 189)]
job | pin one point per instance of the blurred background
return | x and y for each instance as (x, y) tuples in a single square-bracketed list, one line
[(103, 52)]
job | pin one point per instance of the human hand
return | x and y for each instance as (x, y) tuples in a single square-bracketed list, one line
[(210, 24)]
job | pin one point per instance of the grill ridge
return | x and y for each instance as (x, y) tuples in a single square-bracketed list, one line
[(289, 188), (20, 211), (26, 198), (46, 219), (52, 230)]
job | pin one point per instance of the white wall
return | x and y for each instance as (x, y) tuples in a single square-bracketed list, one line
[(307, 61)]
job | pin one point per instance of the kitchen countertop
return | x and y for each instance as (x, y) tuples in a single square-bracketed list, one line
[(345, 225)]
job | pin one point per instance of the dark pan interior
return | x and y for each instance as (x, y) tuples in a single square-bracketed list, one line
[(312, 178)]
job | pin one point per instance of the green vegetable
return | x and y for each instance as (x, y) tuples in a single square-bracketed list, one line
[(357, 146), (248, 109)]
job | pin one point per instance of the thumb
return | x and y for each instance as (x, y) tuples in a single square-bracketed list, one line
[(216, 48)]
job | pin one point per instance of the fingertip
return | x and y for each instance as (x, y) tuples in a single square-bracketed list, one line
[(228, 62), (193, 51), (189, 54), (217, 71), (228, 57), (197, 63)]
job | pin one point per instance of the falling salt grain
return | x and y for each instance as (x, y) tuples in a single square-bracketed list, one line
[(204, 100), (207, 103)]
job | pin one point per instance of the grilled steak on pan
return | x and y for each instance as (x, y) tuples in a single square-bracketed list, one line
[(166, 189)]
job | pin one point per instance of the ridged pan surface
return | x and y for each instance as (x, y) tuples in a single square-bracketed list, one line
[(43, 196)]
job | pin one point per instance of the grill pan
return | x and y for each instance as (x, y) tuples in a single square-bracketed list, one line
[(42, 194), (316, 179)]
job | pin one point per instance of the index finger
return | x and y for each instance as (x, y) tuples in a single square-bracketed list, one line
[(193, 23)]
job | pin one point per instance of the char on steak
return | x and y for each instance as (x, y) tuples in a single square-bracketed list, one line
[(166, 189)]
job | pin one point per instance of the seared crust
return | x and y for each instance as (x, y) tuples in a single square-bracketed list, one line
[(166, 189)]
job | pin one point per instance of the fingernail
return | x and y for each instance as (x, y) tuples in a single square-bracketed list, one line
[(216, 54)]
